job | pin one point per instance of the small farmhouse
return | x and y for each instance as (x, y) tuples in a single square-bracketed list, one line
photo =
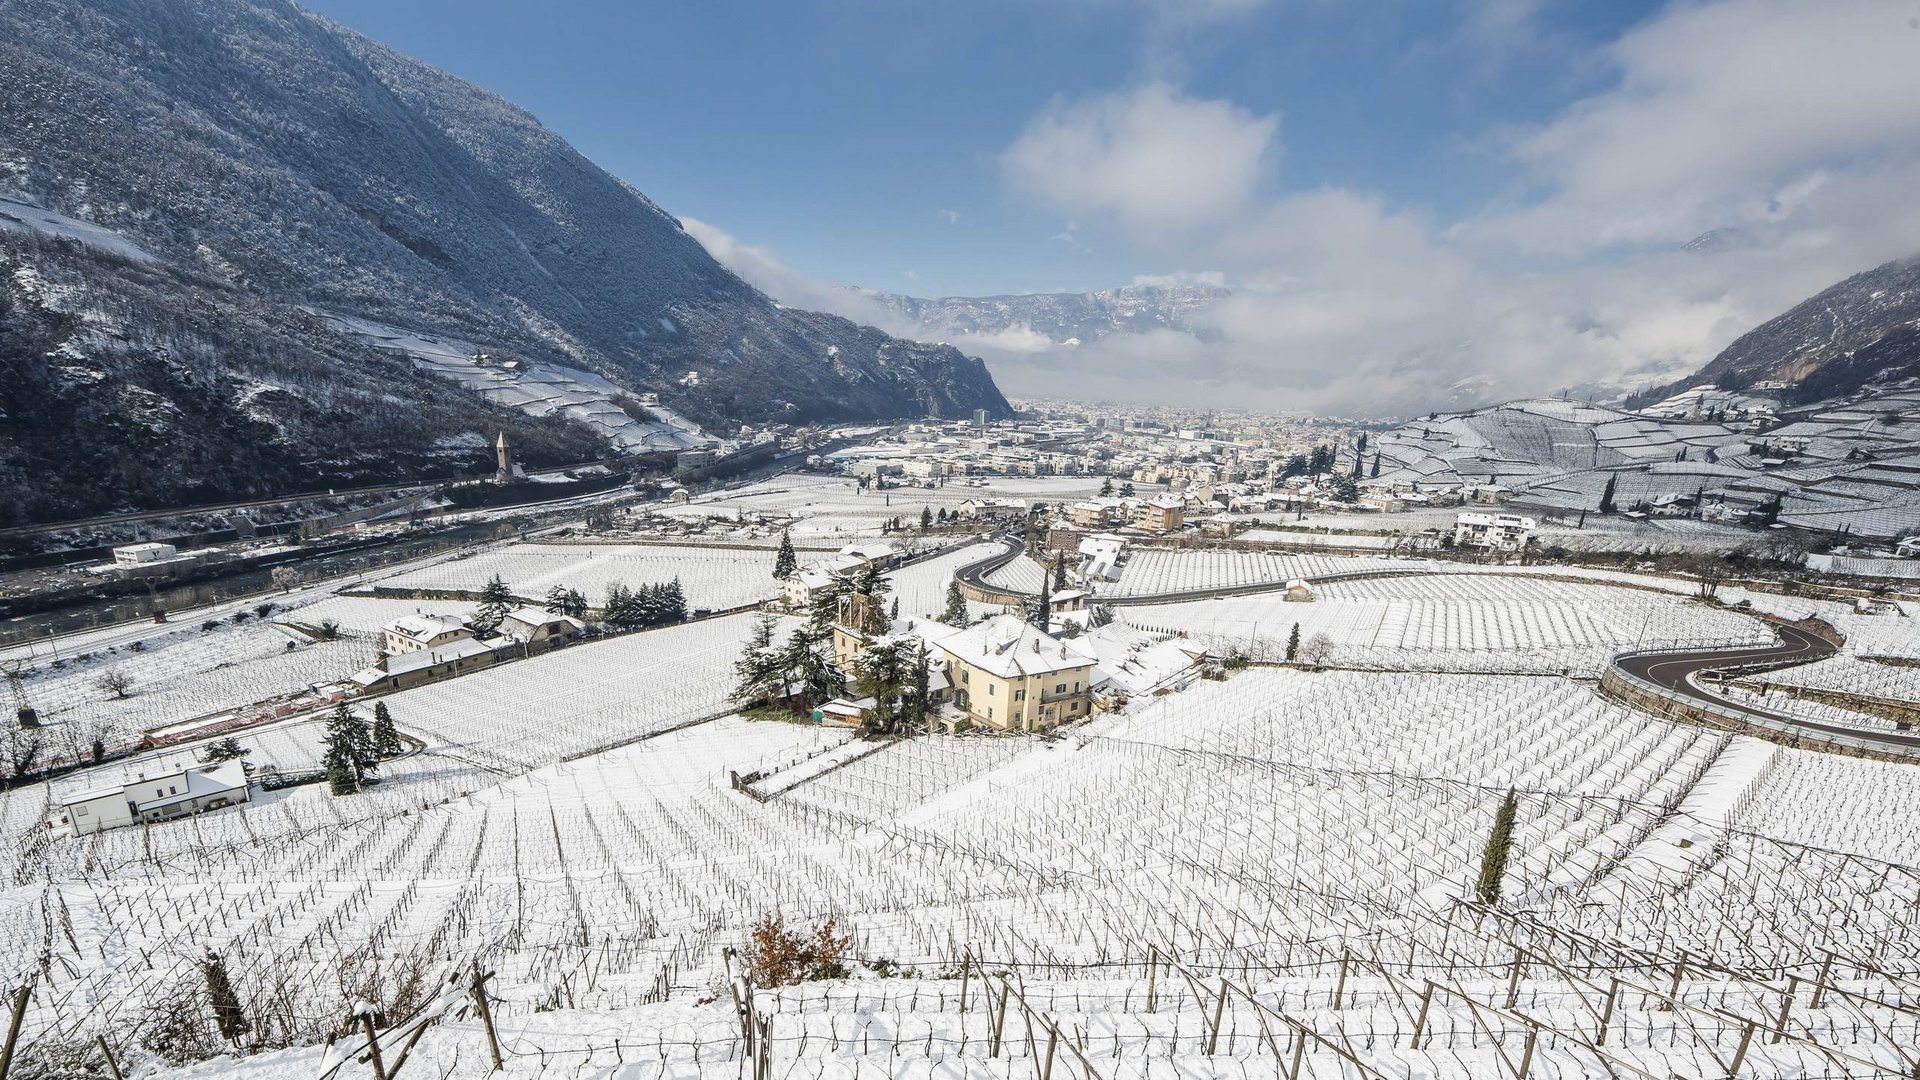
[(174, 791), (413, 633)]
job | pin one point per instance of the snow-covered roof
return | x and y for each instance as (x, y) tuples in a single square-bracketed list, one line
[(424, 658), (1008, 646), (422, 627)]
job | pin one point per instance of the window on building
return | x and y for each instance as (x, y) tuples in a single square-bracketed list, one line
[(1019, 695), (79, 811), (1073, 706), (963, 674), (1061, 689)]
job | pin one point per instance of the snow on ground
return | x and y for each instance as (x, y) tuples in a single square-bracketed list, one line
[(576, 700), (713, 577), (1458, 622)]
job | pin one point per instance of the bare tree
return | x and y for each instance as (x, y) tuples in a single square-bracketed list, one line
[(115, 682), (1317, 650), (22, 750)]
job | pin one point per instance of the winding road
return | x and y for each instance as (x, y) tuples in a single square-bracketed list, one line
[(1674, 671)]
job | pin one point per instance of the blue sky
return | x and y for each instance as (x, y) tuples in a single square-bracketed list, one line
[(836, 131), (1434, 198)]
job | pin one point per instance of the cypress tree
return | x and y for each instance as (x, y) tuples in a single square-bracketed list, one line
[(1493, 861), (784, 561), (386, 738), (1293, 642), (1059, 573), (1043, 604), (926, 518), (1606, 497)]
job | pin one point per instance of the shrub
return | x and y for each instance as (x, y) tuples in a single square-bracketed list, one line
[(777, 956)]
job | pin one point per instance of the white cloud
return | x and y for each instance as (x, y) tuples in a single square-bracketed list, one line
[(762, 269), (1792, 126), (1723, 113), (1151, 158), (951, 217)]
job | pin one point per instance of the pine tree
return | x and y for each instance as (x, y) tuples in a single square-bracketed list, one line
[(386, 737), (1493, 861), (956, 610), (926, 518), (1606, 496), (1126, 490), (784, 561), (758, 674), (227, 1015), (496, 600), (1059, 574), (1106, 488), (564, 601), (674, 602), (619, 610), (348, 744), (1293, 643)]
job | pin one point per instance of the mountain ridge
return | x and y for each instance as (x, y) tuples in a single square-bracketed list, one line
[(260, 153)]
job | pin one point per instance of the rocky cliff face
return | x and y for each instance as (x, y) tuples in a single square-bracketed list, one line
[(232, 164)]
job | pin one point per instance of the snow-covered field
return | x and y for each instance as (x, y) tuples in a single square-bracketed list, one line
[(1456, 622), (713, 577), (1312, 838)]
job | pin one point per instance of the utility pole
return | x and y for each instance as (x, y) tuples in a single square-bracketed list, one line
[(479, 992)]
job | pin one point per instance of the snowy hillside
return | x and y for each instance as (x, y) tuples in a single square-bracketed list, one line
[(237, 158)]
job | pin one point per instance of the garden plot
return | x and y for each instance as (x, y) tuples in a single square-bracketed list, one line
[(531, 712), (1464, 622), (1158, 571), (713, 577), (1880, 635)]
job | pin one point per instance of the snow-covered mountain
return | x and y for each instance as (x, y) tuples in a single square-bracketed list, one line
[(1030, 322), (195, 186), (1864, 329)]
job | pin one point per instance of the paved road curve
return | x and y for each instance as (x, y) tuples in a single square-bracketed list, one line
[(1672, 670)]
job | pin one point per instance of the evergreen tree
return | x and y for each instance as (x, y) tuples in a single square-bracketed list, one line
[(1126, 490), (564, 601), (1106, 487), (673, 602), (784, 561), (343, 772), (758, 674), (496, 600), (894, 612), (919, 699), (386, 737), (824, 608), (926, 518), (1493, 861), (1375, 473), (807, 663), (881, 673), (1042, 615), (956, 610), (1363, 442), (1059, 574), (1345, 488), (225, 750), (1606, 496), (1293, 642), (619, 611)]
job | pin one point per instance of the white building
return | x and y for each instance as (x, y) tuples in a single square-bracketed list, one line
[(539, 628), (1493, 532), (141, 554), (177, 790), (412, 633)]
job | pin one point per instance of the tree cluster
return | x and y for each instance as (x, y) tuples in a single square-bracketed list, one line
[(660, 604)]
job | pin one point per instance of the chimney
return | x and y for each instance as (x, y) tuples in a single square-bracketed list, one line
[(380, 662)]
